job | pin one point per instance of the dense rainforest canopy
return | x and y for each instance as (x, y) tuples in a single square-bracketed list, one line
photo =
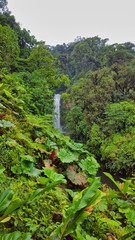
[(98, 107), (49, 187)]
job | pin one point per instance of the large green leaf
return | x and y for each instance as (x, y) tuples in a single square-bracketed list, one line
[(12, 236), (90, 165), (78, 217), (76, 147), (66, 156), (53, 176), (76, 214), (12, 207), (88, 193), (5, 199), (16, 236), (50, 144), (29, 169)]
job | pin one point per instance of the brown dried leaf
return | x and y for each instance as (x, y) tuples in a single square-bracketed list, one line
[(76, 176)]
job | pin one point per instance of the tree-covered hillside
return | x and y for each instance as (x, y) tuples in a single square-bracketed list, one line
[(91, 54), (98, 107), (48, 183)]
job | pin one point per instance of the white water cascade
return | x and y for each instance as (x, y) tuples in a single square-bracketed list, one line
[(57, 110)]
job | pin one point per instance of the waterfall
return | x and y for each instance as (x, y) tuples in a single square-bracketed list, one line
[(57, 110)]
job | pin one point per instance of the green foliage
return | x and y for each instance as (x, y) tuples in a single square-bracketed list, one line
[(95, 139), (5, 199), (11, 203), (118, 147), (109, 217), (89, 165), (78, 211), (2, 106), (98, 115), (2, 169), (9, 49), (123, 201), (29, 169), (40, 58), (16, 236), (36, 159), (53, 176), (79, 128), (65, 97), (6, 124), (67, 156), (100, 101), (120, 117)]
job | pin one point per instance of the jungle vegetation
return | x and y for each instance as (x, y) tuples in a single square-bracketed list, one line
[(49, 187), (98, 107)]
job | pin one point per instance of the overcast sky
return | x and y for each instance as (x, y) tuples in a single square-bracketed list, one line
[(61, 21)]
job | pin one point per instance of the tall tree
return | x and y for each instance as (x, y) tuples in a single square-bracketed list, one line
[(9, 48)]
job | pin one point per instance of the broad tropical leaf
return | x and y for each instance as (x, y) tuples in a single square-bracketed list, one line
[(76, 176), (90, 165), (12, 207), (5, 199), (53, 176), (76, 214), (29, 169), (67, 157), (16, 236)]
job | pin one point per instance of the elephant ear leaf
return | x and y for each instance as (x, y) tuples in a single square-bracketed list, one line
[(89, 165), (76, 176), (67, 156)]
